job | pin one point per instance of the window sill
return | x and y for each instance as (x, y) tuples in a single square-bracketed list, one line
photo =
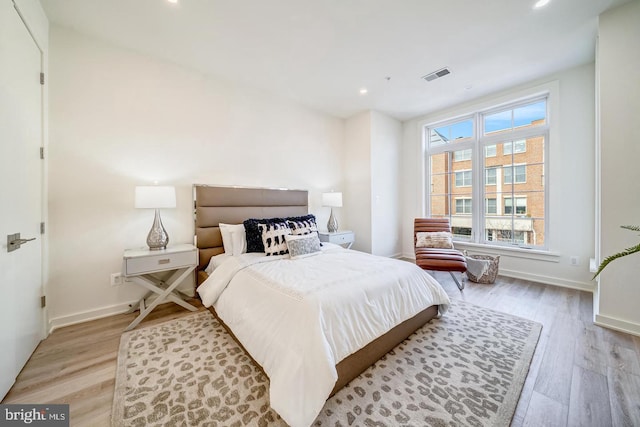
[(535, 254)]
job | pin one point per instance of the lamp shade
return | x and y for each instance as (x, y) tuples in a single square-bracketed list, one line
[(333, 200), (155, 197)]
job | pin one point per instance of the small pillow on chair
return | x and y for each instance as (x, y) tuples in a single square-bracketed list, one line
[(436, 239)]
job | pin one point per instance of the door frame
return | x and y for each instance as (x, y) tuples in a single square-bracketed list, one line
[(26, 14)]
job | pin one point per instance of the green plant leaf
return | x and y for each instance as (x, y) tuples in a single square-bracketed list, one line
[(631, 227), (613, 257)]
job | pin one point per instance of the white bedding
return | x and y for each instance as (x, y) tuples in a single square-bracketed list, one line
[(299, 318)]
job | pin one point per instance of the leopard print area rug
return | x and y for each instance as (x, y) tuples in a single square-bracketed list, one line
[(466, 368)]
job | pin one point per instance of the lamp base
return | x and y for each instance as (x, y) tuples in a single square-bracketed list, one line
[(332, 224), (157, 238)]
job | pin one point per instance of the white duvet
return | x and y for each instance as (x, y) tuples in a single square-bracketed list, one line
[(299, 318)]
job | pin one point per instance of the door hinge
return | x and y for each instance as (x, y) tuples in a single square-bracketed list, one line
[(43, 301), (42, 228), (41, 78), (42, 153)]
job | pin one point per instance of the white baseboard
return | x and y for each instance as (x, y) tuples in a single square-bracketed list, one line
[(617, 324), (547, 280), (85, 316)]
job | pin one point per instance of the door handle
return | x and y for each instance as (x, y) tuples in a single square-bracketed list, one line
[(14, 241)]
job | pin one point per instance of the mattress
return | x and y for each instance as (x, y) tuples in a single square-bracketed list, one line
[(299, 318)]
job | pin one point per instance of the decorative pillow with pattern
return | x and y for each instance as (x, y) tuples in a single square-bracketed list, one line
[(254, 236), (435, 239), (303, 245), (306, 226), (273, 237)]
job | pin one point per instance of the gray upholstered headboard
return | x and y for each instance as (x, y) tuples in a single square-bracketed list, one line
[(232, 205)]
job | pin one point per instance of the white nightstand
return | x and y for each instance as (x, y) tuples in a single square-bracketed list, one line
[(140, 265), (339, 237)]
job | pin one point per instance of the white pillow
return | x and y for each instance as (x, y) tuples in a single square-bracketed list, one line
[(234, 238), (435, 239), (215, 262), (302, 246)]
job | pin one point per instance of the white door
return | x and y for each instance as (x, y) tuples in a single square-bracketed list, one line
[(20, 194)]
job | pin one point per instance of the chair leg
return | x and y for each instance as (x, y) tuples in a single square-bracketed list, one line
[(459, 284)]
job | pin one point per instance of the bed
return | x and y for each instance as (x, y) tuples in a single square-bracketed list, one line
[(300, 397)]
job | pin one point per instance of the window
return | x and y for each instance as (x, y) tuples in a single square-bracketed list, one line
[(514, 147), (461, 155), (520, 172), (461, 232), (521, 205), (512, 119), (492, 206), (505, 149), (463, 179), (463, 206), (459, 131), (509, 236), (490, 177)]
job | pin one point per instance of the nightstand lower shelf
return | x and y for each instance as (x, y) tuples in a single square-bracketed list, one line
[(165, 291)]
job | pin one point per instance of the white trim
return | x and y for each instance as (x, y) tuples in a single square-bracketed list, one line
[(538, 278), (548, 280), (85, 316), (617, 324), (515, 252), (597, 209)]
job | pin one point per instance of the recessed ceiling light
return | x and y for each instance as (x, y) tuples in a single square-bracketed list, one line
[(363, 91), (173, 1), (540, 3)]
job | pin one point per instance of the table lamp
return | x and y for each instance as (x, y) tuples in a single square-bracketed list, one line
[(332, 200), (156, 197)]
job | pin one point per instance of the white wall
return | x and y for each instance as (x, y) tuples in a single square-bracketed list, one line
[(357, 178), (571, 179), (386, 143), (619, 93), (120, 119), (373, 142)]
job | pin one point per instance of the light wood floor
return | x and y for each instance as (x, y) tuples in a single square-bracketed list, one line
[(581, 374)]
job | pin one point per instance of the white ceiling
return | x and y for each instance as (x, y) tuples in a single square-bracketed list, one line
[(320, 53)]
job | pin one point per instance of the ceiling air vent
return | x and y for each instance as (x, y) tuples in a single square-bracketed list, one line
[(437, 74)]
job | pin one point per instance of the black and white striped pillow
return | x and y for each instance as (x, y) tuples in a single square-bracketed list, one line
[(273, 238)]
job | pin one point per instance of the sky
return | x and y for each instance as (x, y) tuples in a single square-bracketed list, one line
[(503, 120)]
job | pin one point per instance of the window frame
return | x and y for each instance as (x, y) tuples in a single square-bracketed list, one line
[(486, 207), (464, 172), (495, 175), (513, 198), (495, 151), (464, 205), (464, 159), (512, 144), (478, 141), (512, 167)]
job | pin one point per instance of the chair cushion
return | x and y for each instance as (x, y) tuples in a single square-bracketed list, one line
[(440, 259)]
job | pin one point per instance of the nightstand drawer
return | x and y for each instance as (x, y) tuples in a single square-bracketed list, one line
[(341, 238), (160, 262)]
